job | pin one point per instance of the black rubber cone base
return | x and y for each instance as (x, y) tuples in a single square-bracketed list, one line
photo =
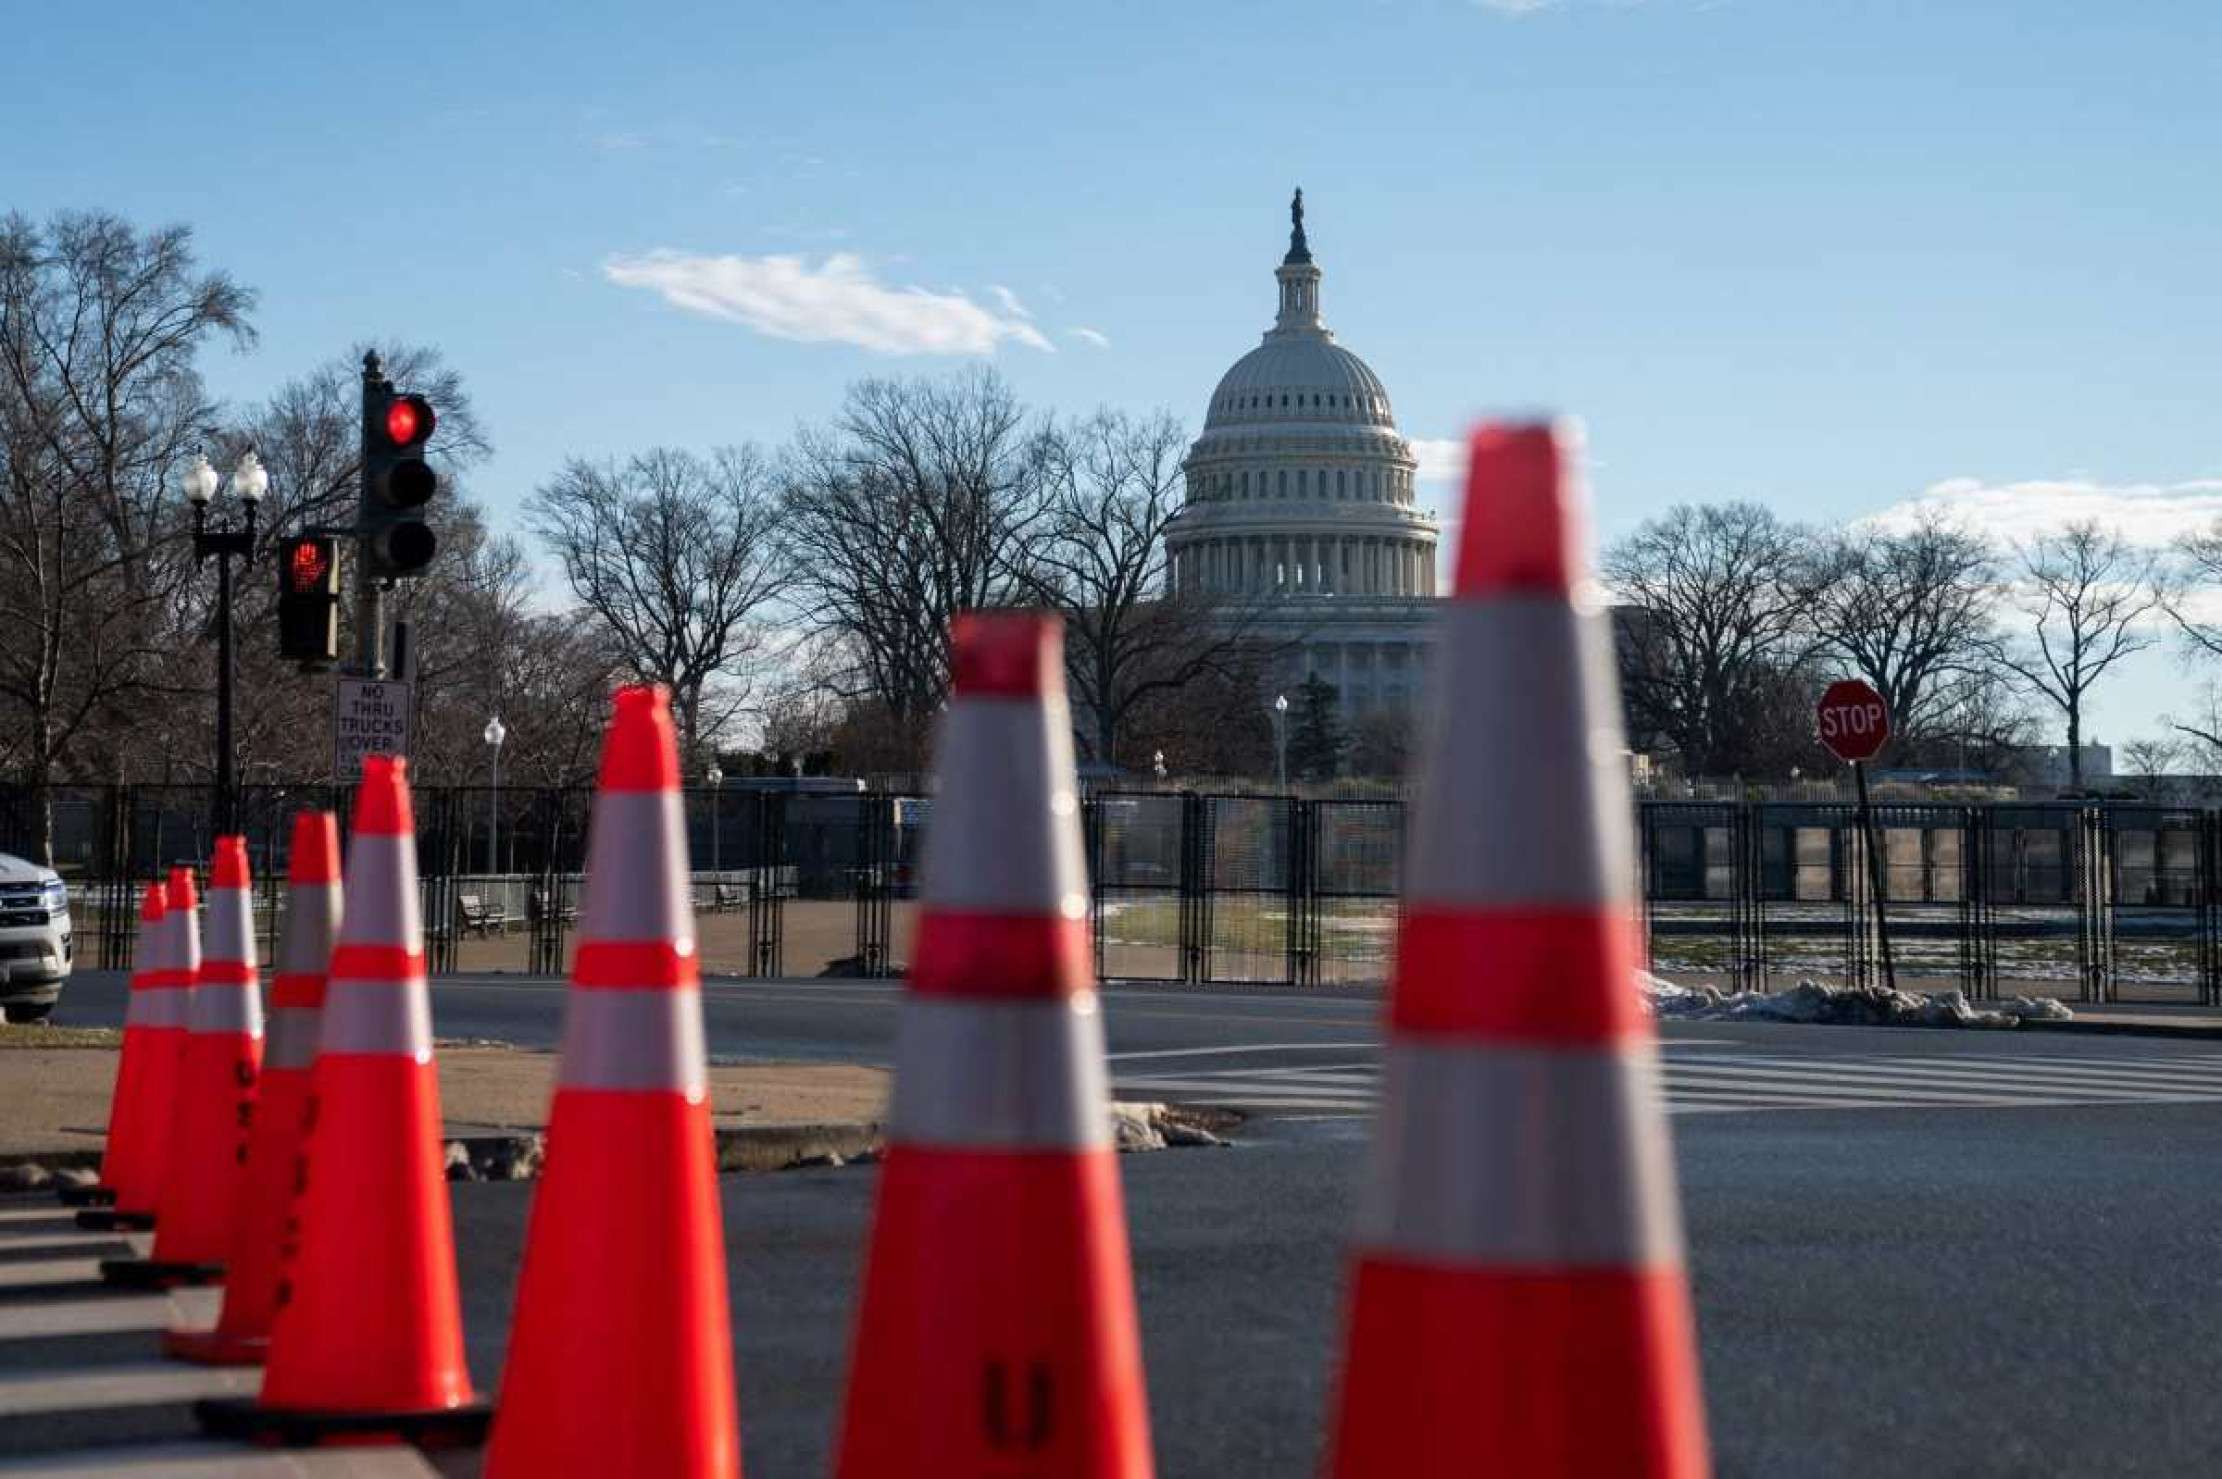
[(86, 1196), (108, 1219), (148, 1273), (246, 1419)]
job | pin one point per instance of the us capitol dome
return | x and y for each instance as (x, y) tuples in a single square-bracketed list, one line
[(1299, 519)]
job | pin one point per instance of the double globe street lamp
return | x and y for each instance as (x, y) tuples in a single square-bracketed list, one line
[(250, 480)]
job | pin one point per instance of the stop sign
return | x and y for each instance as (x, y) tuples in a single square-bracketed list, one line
[(1853, 721)]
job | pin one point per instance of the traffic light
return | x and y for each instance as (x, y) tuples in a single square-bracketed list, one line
[(397, 481), (308, 598)]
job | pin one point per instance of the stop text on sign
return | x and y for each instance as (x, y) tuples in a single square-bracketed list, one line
[(1852, 720)]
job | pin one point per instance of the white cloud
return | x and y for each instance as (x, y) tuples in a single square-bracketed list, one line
[(1009, 300), (838, 301), (1442, 459), (1515, 7), (2149, 514), (1096, 337)]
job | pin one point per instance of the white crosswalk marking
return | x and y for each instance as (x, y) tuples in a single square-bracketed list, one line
[(1704, 1082)]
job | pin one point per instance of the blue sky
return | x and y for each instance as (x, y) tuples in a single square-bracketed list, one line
[(1833, 256)]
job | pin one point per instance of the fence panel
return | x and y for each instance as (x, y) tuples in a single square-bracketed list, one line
[(1357, 862), (1138, 884), (2158, 894), (1700, 889), (1250, 915)]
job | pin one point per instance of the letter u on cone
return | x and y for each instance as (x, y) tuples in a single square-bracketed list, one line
[(1518, 1304), (621, 1352), (278, 1140), (368, 1339), (997, 1334), (146, 1078)]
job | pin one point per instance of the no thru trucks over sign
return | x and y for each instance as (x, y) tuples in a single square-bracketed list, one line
[(368, 718)]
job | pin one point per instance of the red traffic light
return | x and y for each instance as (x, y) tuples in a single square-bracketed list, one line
[(307, 563), (409, 420)]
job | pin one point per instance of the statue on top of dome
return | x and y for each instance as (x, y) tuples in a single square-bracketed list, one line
[(1298, 249)]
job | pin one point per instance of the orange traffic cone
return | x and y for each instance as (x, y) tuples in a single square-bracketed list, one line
[(278, 1143), (997, 1334), (1518, 1304), (215, 1086), (627, 1376), (368, 1339), (146, 1080)]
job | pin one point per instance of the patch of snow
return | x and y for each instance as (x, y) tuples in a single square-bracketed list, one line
[(1855, 1006)]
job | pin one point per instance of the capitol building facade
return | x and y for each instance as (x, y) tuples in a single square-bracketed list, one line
[(1299, 520)]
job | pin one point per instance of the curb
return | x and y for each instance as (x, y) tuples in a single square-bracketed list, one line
[(2100, 1027), (517, 1155)]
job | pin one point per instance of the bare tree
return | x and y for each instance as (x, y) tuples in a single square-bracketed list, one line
[(1912, 614), (99, 403), (2087, 591), (1112, 483), (676, 557), (2154, 756), (923, 498), (1721, 618)]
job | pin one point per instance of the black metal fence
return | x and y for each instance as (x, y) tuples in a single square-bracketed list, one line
[(2095, 902)]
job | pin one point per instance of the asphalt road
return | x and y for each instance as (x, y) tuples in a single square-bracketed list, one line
[(1981, 1254), (1927, 1293)]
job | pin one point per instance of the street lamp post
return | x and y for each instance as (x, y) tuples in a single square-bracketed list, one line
[(1280, 738), (495, 734), (250, 481), (716, 778)]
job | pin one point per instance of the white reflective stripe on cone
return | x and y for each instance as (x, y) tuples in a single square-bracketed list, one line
[(311, 927), (381, 910), (1526, 730), (997, 1075), (185, 941), (154, 946), (1553, 1157), (377, 1017), (990, 845), (226, 1008), (162, 1007), (636, 857), (291, 1039), (231, 926), (625, 1038)]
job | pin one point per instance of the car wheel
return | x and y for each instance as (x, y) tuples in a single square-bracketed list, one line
[(30, 1011)]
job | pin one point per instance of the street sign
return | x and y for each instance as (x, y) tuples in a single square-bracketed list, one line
[(368, 718), (1853, 721)]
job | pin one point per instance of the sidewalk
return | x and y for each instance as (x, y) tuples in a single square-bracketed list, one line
[(54, 1106), (84, 1387)]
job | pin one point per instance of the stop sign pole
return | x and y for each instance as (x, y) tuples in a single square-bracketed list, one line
[(1854, 723)]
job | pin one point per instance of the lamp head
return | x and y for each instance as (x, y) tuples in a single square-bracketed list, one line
[(199, 481), (250, 479)]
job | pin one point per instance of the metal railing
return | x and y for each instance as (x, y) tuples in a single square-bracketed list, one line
[(2108, 901)]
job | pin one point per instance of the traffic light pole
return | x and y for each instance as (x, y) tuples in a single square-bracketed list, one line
[(370, 600)]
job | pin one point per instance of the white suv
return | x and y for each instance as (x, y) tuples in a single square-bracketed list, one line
[(35, 945)]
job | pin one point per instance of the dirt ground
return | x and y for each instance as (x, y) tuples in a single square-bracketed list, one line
[(56, 1098)]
